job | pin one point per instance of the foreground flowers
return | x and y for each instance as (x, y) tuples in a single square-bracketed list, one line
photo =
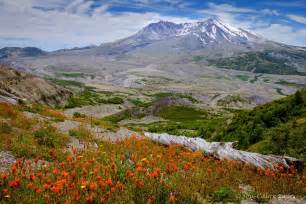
[(140, 171)]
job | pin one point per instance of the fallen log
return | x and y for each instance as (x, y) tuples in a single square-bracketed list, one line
[(226, 151)]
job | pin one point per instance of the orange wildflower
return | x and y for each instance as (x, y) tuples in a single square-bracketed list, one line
[(37, 190), (129, 174), (139, 168), (55, 171), (14, 169), (83, 184), (139, 184), (15, 183), (171, 167), (5, 191), (65, 174), (45, 186), (109, 182), (32, 177), (93, 186), (172, 197), (91, 197), (76, 196), (155, 173), (30, 185), (3, 176)]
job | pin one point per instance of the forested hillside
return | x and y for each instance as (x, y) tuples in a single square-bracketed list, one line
[(278, 127)]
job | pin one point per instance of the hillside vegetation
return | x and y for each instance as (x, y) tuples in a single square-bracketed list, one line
[(278, 127), (263, 62)]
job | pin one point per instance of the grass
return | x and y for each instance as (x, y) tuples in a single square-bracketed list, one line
[(187, 121), (259, 62), (280, 92), (161, 95), (286, 83), (28, 137), (228, 100), (198, 58), (88, 96), (181, 113), (255, 78), (66, 83), (140, 103), (243, 77)]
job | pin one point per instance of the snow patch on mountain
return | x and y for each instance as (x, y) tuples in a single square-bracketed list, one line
[(212, 30)]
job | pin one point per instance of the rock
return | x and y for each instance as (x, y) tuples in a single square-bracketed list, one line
[(6, 160), (80, 145), (16, 86), (286, 199)]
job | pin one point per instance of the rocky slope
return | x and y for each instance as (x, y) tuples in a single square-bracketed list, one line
[(18, 86)]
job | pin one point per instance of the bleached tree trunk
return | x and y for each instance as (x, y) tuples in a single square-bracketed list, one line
[(225, 151)]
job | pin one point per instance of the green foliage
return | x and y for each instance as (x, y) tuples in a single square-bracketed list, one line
[(140, 103), (278, 127), (91, 97), (5, 128), (198, 58), (187, 121), (71, 74), (117, 117), (81, 133), (78, 115), (49, 137), (258, 62), (229, 99), (286, 83), (66, 83), (161, 95), (115, 100), (279, 91), (224, 194), (243, 77), (181, 113)]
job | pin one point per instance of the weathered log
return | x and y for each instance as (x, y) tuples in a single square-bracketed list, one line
[(225, 151)]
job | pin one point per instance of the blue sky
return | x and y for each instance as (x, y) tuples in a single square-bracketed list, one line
[(57, 24)]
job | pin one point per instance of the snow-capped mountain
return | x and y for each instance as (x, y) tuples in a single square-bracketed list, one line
[(167, 37), (210, 31)]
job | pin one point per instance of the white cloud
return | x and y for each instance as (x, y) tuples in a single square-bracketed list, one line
[(69, 27), (299, 19), (229, 8), (283, 33), (251, 20)]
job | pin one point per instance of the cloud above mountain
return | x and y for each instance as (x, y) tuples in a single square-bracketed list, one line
[(55, 24)]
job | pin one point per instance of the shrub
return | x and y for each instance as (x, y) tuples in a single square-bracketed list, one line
[(81, 133), (224, 194), (78, 115), (49, 137), (115, 100), (5, 128)]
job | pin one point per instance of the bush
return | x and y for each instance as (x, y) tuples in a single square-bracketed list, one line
[(81, 133), (5, 128), (115, 100), (48, 136), (78, 115), (224, 194)]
